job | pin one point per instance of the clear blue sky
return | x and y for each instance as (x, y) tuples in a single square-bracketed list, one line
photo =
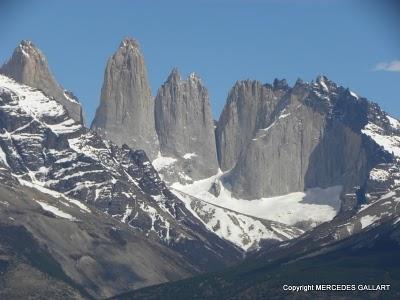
[(221, 40)]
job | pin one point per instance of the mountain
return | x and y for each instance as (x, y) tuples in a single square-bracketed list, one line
[(185, 129), (53, 247), (357, 249), (364, 261), (319, 129), (185, 150), (29, 66), (342, 151), (43, 149), (289, 178), (126, 111), (352, 167), (315, 128)]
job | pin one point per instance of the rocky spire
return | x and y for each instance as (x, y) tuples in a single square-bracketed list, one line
[(185, 125), (126, 111), (29, 66)]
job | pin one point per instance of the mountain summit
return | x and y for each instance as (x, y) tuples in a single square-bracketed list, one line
[(29, 66), (126, 111), (185, 127)]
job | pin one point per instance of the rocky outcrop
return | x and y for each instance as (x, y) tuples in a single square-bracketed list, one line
[(249, 107), (126, 111), (311, 137), (29, 66), (185, 127)]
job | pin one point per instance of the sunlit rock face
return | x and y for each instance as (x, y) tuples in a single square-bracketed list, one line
[(277, 140), (126, 111), (185, 128), (29, 66)]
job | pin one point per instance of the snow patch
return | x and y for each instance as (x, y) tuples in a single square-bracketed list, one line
[(68, 97), (67, 126), (159, 219), (162, 162), (3, 157), (379, 175), (128, 211), (189, 155), (367, 220), (31, 100), (36, 185), (56, 211), (262, 131), (5, 203), (354, 94), (285, 115), (390, 143), (34, 103), (316, 205), (394, 122), (321, 81), (243, 231)]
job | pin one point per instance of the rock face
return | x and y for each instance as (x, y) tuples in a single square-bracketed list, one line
[(294, 139), (126, 111), (185, 127), (29, 66), (249, 107)]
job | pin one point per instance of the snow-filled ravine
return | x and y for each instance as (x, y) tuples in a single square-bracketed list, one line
[(244, 231), (314, 206)]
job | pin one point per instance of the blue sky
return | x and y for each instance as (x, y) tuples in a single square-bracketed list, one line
[(354, 42)]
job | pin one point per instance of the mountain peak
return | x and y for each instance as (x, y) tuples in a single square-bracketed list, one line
[(185, 128), (28, 49), (29, 66), (322, 78), (193, 77), (174, 75), (126, 111), (129, 43), (26, 44), (280, 84), (324, 83)]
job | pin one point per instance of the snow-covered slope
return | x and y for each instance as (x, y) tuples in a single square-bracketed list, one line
[(243, 230), (45, 149), (45, 238), (313, 206), (246, 223), (387, 140)]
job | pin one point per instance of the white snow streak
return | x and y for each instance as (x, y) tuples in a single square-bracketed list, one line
[(367, 220), (56, 211)]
